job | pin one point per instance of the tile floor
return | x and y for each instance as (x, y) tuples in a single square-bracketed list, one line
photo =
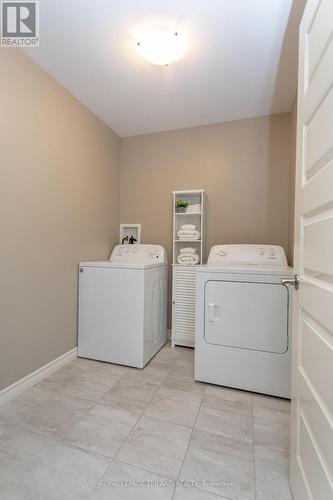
[(100, 431)]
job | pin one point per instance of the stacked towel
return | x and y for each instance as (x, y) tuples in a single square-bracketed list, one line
[(188, 232), (188, 260), (188, 235), (193, 208), (189, 227), (188, 250), (188, 257)]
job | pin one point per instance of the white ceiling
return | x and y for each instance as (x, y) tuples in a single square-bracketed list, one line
[(241, 60)]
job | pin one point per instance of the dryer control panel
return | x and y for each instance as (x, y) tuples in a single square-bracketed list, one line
[(139, 254), (247, 255)]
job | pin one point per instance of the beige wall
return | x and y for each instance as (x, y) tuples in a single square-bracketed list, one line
[(243, 165), (59, 203)]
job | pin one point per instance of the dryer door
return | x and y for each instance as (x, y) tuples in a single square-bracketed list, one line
[(247, 315)]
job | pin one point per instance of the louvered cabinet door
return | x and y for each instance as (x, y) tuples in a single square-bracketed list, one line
[(183, 306)]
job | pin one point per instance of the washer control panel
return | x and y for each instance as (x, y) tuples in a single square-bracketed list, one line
[(137, 253), (252, 255)]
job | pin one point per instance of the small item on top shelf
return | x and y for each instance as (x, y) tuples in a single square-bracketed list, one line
[(193, 208), (181, 205)]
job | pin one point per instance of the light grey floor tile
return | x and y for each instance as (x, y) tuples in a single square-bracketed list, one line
[(192, 493), (98, 438), (130, 394), (177, 410), (16, 491), (94, 406), (126, 482), (103, 414), (167, 355), (185, 352), (85, 384), (183, 383), (225, 461), (184, 364), (56, 415), (13, 412), (34, 396), (150, 373), (271, 468), (225, 423), (223, 398), (181, 369), (271, 403), (92, 366), (156, 446), (272, 428), (162, 365), (33, 466), (179, 394)]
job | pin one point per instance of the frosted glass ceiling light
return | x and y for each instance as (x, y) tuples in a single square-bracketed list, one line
[(161, 45)]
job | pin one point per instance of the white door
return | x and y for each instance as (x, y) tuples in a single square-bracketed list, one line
[(312, 386), (258, 309)]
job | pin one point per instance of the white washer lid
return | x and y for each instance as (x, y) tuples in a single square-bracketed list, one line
[(132, 257), (106, 264), (139, 254)]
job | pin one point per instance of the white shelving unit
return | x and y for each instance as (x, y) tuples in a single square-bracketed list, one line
[(183, 277)]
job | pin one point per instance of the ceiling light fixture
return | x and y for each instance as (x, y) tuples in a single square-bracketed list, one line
[(161, 45)]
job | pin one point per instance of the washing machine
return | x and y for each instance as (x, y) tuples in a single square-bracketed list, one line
[(243, 327), (123, 305)]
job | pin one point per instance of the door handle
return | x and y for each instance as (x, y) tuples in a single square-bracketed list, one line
[(291, 281), (211, 313)]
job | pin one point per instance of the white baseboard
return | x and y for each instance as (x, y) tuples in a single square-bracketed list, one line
[(33, 378)]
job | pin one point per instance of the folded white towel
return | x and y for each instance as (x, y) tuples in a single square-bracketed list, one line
[(193, 208), (188, 227), (188, 260), (183, 234), (188, 251)]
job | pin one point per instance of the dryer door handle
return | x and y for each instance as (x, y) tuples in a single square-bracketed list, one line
[(212, 308)]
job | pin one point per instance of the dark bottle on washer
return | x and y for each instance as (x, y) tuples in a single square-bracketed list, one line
[(132, 240)]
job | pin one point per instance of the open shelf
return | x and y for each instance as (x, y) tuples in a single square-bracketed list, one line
[(187, 241), (193, 197), (188, 213)]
